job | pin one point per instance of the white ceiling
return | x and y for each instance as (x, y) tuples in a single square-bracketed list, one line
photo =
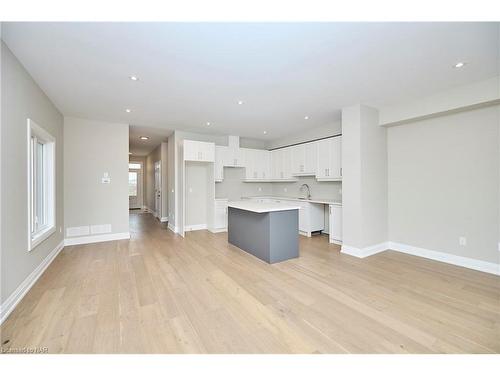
[(139, 147), (191, 73)]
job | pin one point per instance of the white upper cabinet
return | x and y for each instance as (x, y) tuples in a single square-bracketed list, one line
[(220, 157), (257, 164), (235, 157), (277, 164), (199, 151), (329, 162), (304, 159), (281, 164)]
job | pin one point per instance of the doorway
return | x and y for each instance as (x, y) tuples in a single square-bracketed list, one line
[(135, 182)]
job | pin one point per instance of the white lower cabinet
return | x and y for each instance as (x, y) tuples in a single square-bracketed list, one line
[(311, 217), (220, 212), (335, 224)]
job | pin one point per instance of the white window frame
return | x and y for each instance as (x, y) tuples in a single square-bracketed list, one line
[(37, 235)]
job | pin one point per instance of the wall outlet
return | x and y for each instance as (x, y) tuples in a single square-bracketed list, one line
[(462, 241), (285, 189), (190, 190), (260, 189)]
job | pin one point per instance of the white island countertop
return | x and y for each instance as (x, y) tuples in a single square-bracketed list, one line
[(294, 199), (249, 205)]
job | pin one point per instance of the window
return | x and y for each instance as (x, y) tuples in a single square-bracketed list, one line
[(134, 165), (132, 184), (41, 184)]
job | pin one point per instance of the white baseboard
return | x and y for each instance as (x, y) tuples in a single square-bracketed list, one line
[(336, 242), (172, 228), (478, 265), (218, 230), (164, 219), (11, 302), (189, 228), (475, 264), (365, 251), (98, 238)]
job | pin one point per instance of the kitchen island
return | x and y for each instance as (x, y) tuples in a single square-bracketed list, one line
[(268, 231)]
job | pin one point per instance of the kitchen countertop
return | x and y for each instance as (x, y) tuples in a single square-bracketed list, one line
[(312, 200), (258, 207)]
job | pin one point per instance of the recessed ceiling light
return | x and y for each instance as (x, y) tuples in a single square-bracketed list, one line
[(459, 64), (134, 78), (265, 132), (128, 110), (144, 138), (306, 117), (240, 102), (208, 123)]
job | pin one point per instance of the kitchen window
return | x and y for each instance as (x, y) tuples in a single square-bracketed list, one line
[(41, 184)]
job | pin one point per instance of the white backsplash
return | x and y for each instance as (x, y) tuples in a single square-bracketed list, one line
[(319, 190), (233, 188)]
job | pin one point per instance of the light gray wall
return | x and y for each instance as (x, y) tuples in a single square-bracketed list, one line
[(443, 182), (364, 178), (151, 159), (171, 179), (21, 98), (160, 153), (92, 148), (164, 180), (308, 135), (196, 191)]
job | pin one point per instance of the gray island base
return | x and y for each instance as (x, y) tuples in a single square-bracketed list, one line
[(268, 231)]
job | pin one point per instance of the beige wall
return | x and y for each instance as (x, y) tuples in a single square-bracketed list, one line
[(443, 183), (21, 98), (93, 148)]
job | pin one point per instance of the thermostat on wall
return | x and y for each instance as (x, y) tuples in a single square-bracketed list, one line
[(105, 178)]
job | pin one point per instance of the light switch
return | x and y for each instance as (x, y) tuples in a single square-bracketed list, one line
[(190, 190)]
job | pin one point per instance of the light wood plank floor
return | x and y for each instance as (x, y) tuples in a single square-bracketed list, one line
[(159, 293)]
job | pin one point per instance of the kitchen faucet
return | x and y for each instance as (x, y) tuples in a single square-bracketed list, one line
[(308, 190)]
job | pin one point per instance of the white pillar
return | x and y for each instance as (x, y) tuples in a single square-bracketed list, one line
[(364, 181)]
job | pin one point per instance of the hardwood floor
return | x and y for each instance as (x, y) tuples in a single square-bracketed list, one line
[(160, 293)]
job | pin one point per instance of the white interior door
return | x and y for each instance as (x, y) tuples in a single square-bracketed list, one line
[(135, 185), (158, 189)]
